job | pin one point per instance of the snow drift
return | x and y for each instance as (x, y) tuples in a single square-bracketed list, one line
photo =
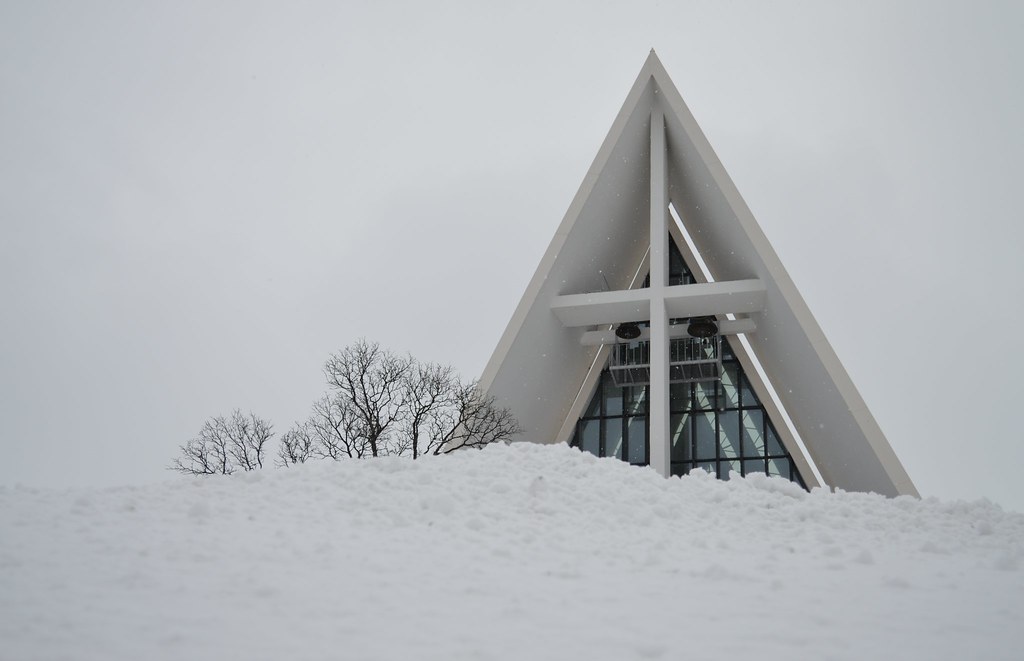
[(521, 552)]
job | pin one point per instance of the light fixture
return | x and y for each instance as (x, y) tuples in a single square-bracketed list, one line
[(628, 331), (702, 327)]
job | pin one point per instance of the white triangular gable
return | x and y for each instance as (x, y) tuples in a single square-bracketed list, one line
[(599, 253)]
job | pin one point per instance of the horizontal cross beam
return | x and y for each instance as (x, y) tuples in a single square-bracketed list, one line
[(696, 300)]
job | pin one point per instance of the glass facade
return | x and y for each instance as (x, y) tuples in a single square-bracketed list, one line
[(719, 426), (615, 423)]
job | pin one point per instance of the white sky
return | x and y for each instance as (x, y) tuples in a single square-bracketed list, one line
[(200, 201)]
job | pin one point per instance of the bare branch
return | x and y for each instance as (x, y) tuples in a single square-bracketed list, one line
[(296, 446), (428, 388), (225, 445), (370, 380), (475, 421), (337, 429)]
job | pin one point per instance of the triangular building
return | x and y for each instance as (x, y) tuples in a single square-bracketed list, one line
[(661, 328)]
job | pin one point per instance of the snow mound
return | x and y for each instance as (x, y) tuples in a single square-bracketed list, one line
[(519, 552)]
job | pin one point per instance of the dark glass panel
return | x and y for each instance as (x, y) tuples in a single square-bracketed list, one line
[(612, 396), (779, 467), (679, 397), (729, 433), (637, 435), (705, 435), (774, 445), (594, 408), (753, 433), (747, 393), (637, 400), (704, 394), (590, 436), (613, 438), (679, 431), (730, 392), (676, 265), (727, 352), (753, 466), (726, 469), (679, 273)]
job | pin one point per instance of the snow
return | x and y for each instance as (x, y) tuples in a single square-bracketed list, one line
[(514, 552)]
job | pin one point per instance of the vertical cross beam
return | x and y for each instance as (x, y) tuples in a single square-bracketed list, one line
[(658, 406)]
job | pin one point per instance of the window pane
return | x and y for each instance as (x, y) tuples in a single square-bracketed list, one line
[(753, 466), (774, 445), (729, 433), (612, 397), (730, 386), (637, 441), (727, 468), (679, 396), (704, 394), (637, 400), (594, 408), (717, 427), (679, 432), (753, 439), (613, 438), (749, 398), (779, 467), (727, 353), (676, 265), (705, 435), (590, 436)]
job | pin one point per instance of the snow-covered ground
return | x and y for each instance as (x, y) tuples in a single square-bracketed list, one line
[(523, 552)]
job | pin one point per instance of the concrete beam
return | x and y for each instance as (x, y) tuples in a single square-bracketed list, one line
[(606, 307), (614, 307), (658, 441), (715, 298)]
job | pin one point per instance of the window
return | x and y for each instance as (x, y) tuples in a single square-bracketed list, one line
[(719, 426)]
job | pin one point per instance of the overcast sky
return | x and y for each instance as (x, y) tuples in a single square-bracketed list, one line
[(200, 201)]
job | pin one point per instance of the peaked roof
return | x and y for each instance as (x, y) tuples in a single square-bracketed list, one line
[(540, 365)]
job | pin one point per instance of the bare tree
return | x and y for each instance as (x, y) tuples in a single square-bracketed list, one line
[(225, 445), (370, 382), (385, 404), (296, 446), (332, 431), (249, 437), (472, 420), (378, 404), (429, 390), (337, 429), (206, 454)]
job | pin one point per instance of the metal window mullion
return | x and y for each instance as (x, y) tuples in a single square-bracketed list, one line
[(764, 439), (602, 411), (624, 431), (647, 427)]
